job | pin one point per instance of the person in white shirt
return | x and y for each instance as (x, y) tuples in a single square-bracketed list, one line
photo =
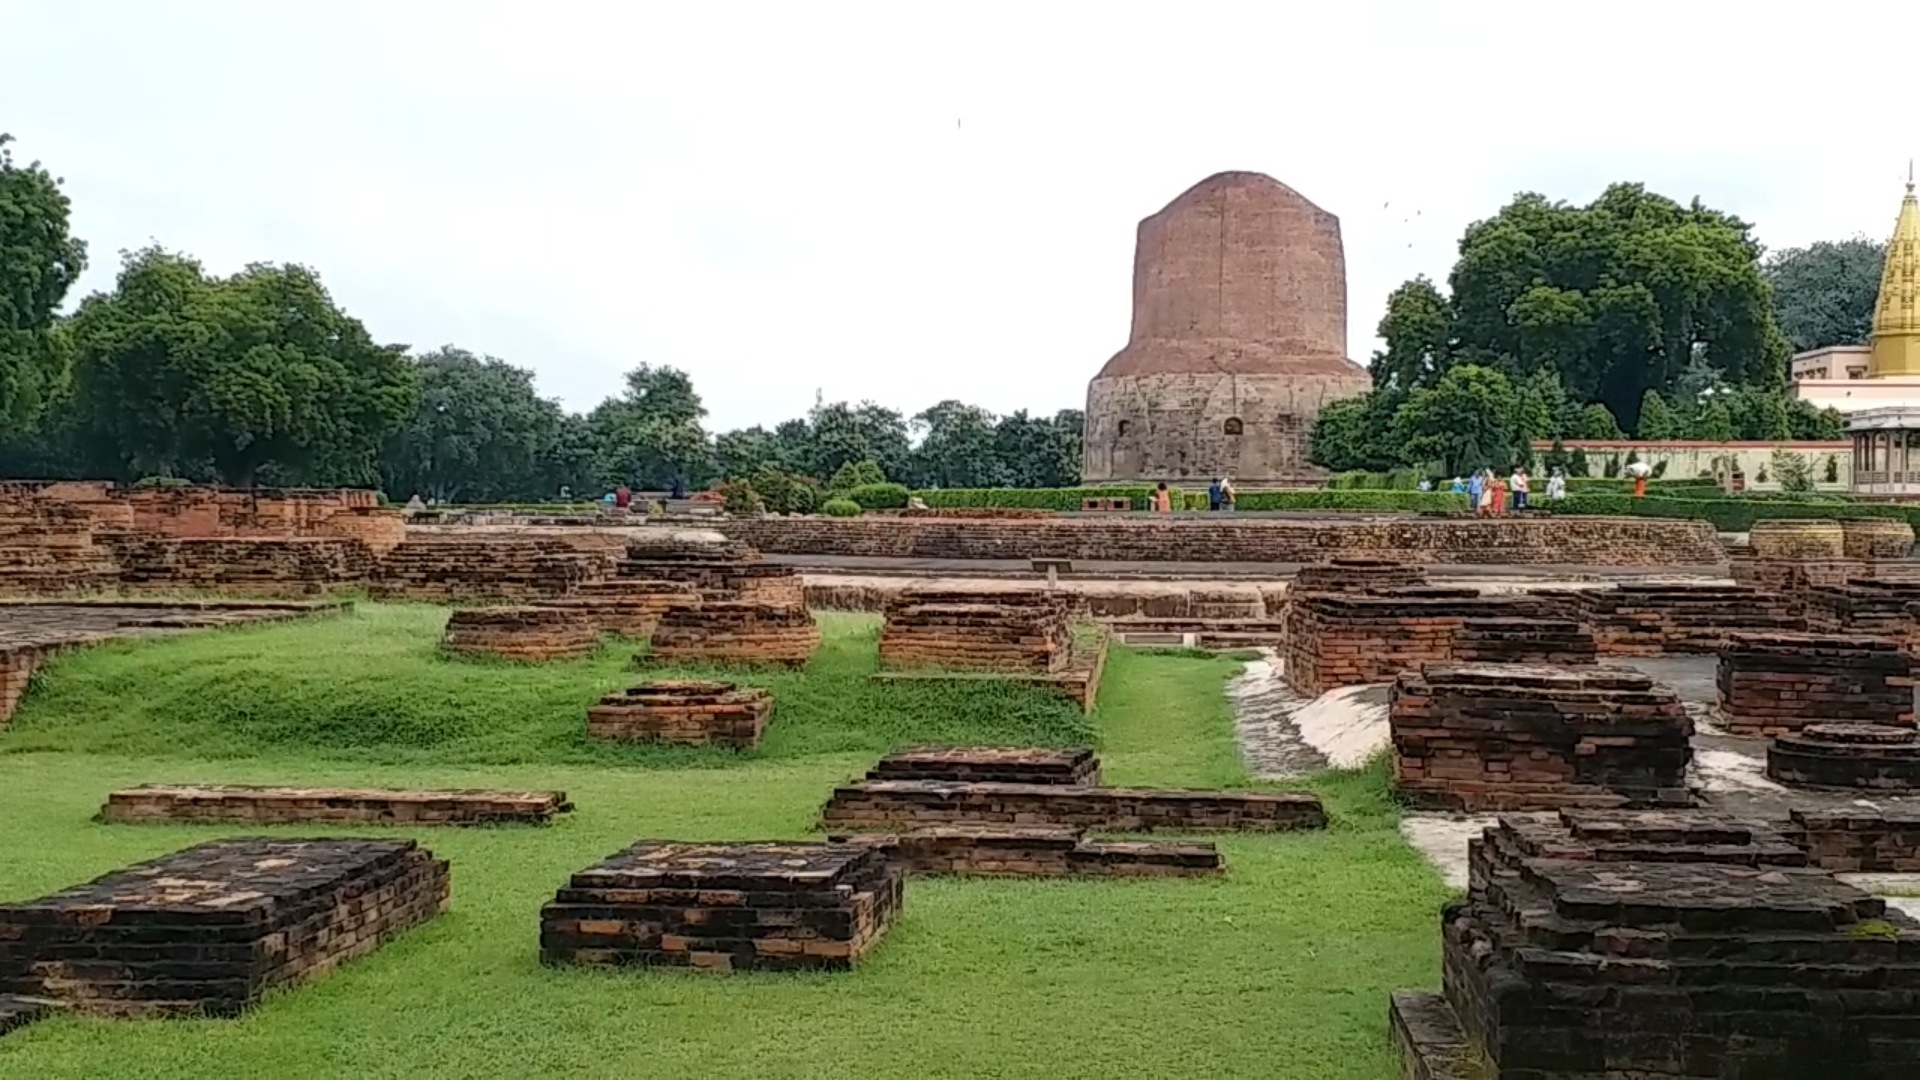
[(1518, 483), (1556, 486)]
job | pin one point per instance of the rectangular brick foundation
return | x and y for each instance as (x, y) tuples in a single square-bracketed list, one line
[(724, 907), (686, 712), (1658, 619), (210, 928), (1858, 840), (736, 632), (1336, 640), (1523, 641), (220, 804), (998, 631), (900, 804), (1772, 684), (1034, 851), (1481, 737), (1664, 944), (991, 764)]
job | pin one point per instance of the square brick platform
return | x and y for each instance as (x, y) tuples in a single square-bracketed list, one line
[(1034, 851), (993, 764), (1028, 631), (210, 928), (229, 803), (736, 632), (1776, 683), (686, 712), (906, 804), (724, 907)]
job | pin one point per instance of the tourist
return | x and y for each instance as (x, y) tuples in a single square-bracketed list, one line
[(622, 497), (1162, 499), (1213, 495), (1521, 488), (1497, 489), (1226, 494), (1459, 485), (1477, 492), (1556, 486), (1424, 485)]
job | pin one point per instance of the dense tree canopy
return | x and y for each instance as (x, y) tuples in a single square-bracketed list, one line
[(39, 262), (480, 433), (1823, 294)]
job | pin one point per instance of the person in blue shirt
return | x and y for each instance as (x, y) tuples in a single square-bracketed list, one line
[(1475, 486), (1213, 495)]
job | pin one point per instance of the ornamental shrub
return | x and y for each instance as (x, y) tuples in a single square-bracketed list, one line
[(880, 496), (841, 508)]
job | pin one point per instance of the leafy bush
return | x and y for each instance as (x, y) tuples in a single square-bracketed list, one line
[(855, 474), (1731, 514), (840, 508), (880, 496), (784, 492), (739, 497), (162, 482)]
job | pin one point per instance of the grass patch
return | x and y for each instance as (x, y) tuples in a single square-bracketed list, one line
[(1280, 968), (373, 685)]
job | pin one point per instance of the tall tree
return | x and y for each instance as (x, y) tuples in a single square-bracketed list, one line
[(652, 434), (175, 368), (479, 433), (1416, 329), (1823, 294), (1464, 422), (839, 433), (957, 447), (1657, 422), (39, 262)]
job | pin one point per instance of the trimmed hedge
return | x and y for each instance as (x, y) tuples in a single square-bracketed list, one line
[(1729, 514), (842, 508), (880, 496), (1069, 499)]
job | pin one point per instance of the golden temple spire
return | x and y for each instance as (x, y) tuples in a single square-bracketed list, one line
[(1896, 317)]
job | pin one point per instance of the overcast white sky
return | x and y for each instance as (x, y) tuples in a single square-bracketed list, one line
[(902, 201)]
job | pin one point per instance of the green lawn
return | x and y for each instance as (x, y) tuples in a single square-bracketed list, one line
[(1280, 969)]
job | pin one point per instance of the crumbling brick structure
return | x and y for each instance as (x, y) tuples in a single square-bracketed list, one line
[(519, 633), (1864, 606), (252, 805), (903, 804), (1859, 840), (735, 632), (1513, 640), (1774, 683), (280, 566), (725, 907), (1876, 538), (629, 607), (1000, 631), (1873, 757), (49, 548), (992, 764), (1481, 737), (488, 567), (1034, 851), (686, 712), (1797, 538), (1353, 575), (1336, 640), (1661, 945), (211, 928), (1657, 619)]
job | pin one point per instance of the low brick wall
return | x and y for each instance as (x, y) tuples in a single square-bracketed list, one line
[(735, 632), (280, 566), (625, 606), (1346, 639), (902, 804), (1859, 840), (1342, 575), (990, 764), (1658, 619), (1034, 851), (997, 631), (1771, 684), (255, 913), (489, 567), (725, 907), (685, 712), (244, 804), (533, 634), (1592, 541), (1870, 757)]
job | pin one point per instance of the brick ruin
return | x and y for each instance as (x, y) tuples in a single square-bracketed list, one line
[(50, 548), (1775, 683), (1876, 538), (896, 805), (284, 566), (685, 712), (255, 805), (211, 928), (1623, 943), (1873, 757), (630, 607), (1797, 539), (488, 566), (1480, 737), (1864, 606), (1658, 619), (1028, 631), (535, 634), (1857, 840), (1034, 851), (725, 907), (996, 764), (1346, 639), (1355, 575), (736, 632)]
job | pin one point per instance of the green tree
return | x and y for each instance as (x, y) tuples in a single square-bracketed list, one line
[(1597, 422), (1807, 422), (1715, 423), (1416, 330), (39, 262), (1793, 471), (748, 450), (1823, 294), (1657, 422), (957, 448), (651, 435), (176, 371), (1357, 433), (1464, 422), (855, 474), (839, 433), (1617, 296), (479, 433)]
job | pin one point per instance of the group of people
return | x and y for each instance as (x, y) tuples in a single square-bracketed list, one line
[(1219, 496), (1490, 494)]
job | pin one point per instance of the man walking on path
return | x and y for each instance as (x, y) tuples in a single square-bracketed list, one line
[(1477, 490), (1213, 495), (1522, 488)]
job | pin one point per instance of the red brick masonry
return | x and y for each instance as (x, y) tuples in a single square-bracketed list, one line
[(993, 764), (686, 712), (899, 804), (1772, 684), (228, 803), (1034, 851)]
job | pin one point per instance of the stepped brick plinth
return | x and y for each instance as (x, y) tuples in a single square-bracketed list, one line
[(725, 907), (520, 633), (1657, 619), (991, 764), (277, 566), (1481, 737), (228, 803), (1858, 839), (1771, 684), (903, 804), (1677, 945), (48, 547), (1876, 538), (1034, 851), (489, 566), (686, 712), (1358, 576), (1864, 606), (1876, 757), (1028, 631), (1524, 641), (211, 928), (684, 546), (1336, 640), (1797, 538), (736, 632), (630, 607), (754, 582)]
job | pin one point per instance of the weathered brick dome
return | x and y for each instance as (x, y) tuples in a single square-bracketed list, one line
[(1239, 339)]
